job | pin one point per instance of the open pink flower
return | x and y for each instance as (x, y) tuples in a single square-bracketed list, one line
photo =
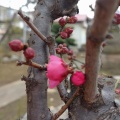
[(78, 78), (56, 71)]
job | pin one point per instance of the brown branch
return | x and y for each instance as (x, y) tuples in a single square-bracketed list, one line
[(96, 34), (62, 110), (32, 26), (30, 63)]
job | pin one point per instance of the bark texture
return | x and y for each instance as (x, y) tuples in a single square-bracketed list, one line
[(104, 109), (37, 92), (36, 85), (104, 12)]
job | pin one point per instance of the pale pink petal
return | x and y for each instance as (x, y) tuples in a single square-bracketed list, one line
[(57, 70), (54, 58), (53, 83)]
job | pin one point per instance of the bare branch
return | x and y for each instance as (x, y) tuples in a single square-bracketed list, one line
[(62, 110), (32, 26), (30, 63), (91, 7)]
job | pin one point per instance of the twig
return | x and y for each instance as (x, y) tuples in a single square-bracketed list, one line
[(33, 64), (91, 7), (62, 92), (32, 26), (78, 61), (62, 110), (76, 65)]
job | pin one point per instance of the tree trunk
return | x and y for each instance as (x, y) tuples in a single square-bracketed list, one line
[(37, 88), (36, 85)]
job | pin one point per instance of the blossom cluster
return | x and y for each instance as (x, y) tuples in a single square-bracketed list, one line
[(67, 31), (57, 69)]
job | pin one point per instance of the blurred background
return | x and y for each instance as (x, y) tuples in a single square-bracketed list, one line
[(12, 89)]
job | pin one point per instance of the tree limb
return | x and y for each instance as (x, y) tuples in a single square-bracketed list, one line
[(32, 64), (32, 26), (96, 34), (62, 110)]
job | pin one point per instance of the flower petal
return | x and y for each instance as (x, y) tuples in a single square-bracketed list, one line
[(53, 83)]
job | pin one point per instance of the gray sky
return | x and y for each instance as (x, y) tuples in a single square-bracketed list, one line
[(83, 5)]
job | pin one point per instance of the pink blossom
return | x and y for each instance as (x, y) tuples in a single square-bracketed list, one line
[(78, 78), (56, 71)]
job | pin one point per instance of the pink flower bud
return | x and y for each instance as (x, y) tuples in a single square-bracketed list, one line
[(29, 53), (63, 35), (64, 45), (68, 30), (65, 50), (116, 18), (58, 50), (78, 78), (60, 45), (56, 71), (70, 52), (72, 19), (16, 45), (62, 22)]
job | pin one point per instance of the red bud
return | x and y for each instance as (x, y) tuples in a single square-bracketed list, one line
[(62, 22), (116, 18), (16, 45), (29, 53), (60, 45), (70, 52), (65, 50), (68, 30), (64, 35), (72, 19)]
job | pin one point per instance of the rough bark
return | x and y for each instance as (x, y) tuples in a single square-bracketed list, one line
[(36, 85), (104, 109), (104, 12), (37, 108)]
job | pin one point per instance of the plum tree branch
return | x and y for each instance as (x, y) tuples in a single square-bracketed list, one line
[(104, 12), (32, 26), (62, 110), (32, 64)]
